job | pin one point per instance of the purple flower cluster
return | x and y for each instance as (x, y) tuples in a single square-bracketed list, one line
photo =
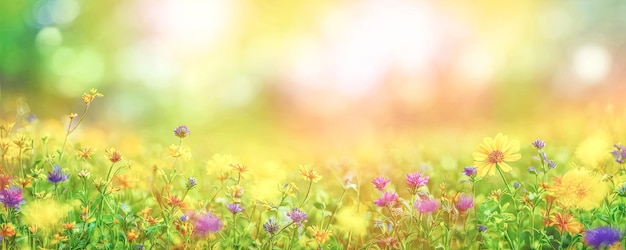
[(207, 223), (416, 180), (297, 215), (426, 206), (602, 237), (539, 144), (470, 171), (57, 174), (270, 226), (12, 197), (619, 154), (464, 203), (234, 207), (182, 131), (380, 183)]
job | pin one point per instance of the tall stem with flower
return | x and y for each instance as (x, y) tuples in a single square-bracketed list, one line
[(87, 99)]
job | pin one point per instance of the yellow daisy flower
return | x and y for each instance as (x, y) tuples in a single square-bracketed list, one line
[(494, 151)]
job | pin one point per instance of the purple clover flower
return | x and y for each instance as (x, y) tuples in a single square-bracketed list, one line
[(270, 226), (481, 228), (234, 207), (619, 154), (57, 174), (207, 223), (12, 197), (415, 180), (191, 182), (297, 215), (426, 206), (602, 237), (469, 171), (380, 183), (464, 203), (386, 199), (182, 131), (539, 144)]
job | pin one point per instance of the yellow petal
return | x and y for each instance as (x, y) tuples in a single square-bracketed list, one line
[(505, 167), (513, 157)]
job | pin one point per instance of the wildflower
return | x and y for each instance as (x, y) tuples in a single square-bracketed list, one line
[(593, 151), (234, 207), (619, 154), (12, 197), (579, 188), (174, 201), (57, 237), (69, 226), (8, 230), (320, 235), (539, 144), (516, 185), (124, 181), (494, 152), (178, 151), (380, 183), (464, 203), (5, 181), (532, 170), (388, 243), (602, 237), (239, 168), (270, 226), (113, 155), (57, 174), (426, 206), (184, 217), (415, 180), (132, 235), (85, 153), (235, 191), (469, 171), (72, 115), (297, 216), (182, 131), (386, 199), (481, 228), (207, 223), (191, 182), (565, 222), (309, 174), (89, 97)]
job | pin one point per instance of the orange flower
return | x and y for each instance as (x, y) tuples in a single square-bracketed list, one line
[(8, 230), (309, 174), (125, 181), (174, 201), (132, 235), (564, 222), (69, 226), (113, 155), (239, 168), (85, 153), (320, 235)]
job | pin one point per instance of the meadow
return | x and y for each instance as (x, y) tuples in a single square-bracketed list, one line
[(64, 186)]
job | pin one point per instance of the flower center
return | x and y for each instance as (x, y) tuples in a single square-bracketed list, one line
[(495, 157)]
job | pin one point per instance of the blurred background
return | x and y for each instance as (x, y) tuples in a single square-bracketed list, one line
[(307, 79)]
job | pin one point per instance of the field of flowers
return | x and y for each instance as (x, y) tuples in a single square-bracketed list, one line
[(59, 191)]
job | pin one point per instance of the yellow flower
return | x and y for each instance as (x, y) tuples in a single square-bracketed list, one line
[(320, 235), (580, 188), (45, 213), (495, 151), (113, 155), (85, 153), (595, 151), (309, 173), (88, 97), (352, 219)]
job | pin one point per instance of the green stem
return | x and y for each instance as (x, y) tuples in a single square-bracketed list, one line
[(307, 193)]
